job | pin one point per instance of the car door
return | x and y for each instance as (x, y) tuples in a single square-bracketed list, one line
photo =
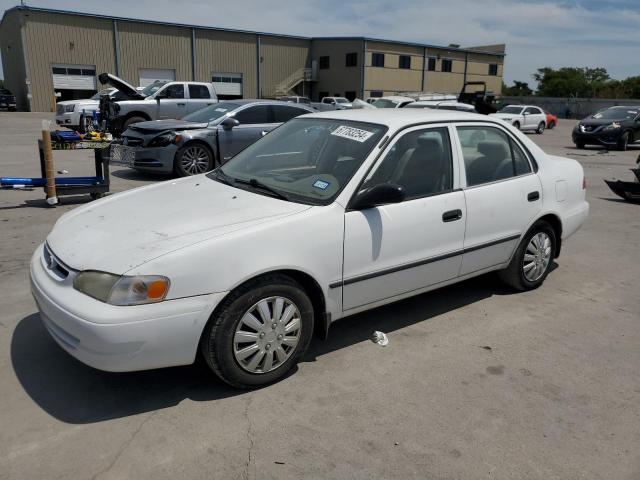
[(395, 249), (171, 101), (199, 97), (503, 194), (254, 120), (531, 118)]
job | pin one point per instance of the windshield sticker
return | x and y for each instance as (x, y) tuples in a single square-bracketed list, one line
[(631, 112), (220, 110), (352, 133), (321, 184)]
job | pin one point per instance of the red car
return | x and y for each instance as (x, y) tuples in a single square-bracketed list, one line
[(552, 120)]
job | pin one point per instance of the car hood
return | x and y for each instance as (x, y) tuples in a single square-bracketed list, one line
[(504, 115), (594, 122), (120, 85), (129, 229), (86, 101), (162, 125)]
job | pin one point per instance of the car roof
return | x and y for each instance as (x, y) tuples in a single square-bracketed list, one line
[(245, 101), (400, 117), (397, 98)]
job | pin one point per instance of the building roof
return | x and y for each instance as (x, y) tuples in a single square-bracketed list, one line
[(27, 8)]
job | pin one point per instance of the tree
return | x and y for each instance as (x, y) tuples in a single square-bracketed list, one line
[(519, 89)]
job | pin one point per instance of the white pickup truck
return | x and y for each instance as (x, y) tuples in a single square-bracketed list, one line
[(171, 100)]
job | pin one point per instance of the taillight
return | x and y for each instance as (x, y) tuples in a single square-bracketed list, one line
[(584, 183)]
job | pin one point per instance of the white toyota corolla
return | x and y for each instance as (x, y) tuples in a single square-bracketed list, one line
[(329, 215)]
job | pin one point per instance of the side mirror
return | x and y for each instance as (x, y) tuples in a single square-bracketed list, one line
[(229, 122), (381, 194)]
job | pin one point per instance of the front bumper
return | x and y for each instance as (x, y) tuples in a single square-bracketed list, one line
[(68, 119), (119, 339), (599, 137), (155, 159)]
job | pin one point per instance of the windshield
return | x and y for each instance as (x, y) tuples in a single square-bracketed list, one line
[(384, 103), (617, 114), (308, 160), (153, 88), (512, 110), (211, 113)]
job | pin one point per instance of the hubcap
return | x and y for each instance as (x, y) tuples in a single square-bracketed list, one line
[(195, 160), (267, 335), (537, 257)]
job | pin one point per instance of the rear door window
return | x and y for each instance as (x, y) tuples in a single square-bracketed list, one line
[(283, 113), (198, 91), (490, 155), (254, 115)]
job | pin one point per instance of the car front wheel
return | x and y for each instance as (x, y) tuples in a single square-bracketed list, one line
[(517, 125), (532, 261), (623, 141), (193, 159), (259, 332)]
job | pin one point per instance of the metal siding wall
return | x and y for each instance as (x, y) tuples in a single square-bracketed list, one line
[(144, 45), (227, 52), (338, 78), (13, 59), (281, 57), (49, 39)]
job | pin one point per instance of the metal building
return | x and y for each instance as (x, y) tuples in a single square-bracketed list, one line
[(49, 54)]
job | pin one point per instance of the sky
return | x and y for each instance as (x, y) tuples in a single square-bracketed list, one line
[(538, 33)]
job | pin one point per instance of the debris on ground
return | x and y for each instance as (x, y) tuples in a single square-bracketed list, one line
[(380, 338)]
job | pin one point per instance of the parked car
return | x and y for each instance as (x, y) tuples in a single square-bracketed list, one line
[(446, 105), (204, 139), (295, 99), (7, 100), (392, 101), (523, 117), (77, 114), (316, 221), (612, 127), (552, 120), (371, 99), (160, 100), (340, 103)]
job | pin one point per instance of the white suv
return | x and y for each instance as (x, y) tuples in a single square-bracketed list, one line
[(523, 117)]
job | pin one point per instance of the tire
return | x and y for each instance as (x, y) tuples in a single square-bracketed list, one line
[(519, 275), (540, 129), (552, 125), (192, 159), (579, 144), (96, 195), (235, 362), (623, 142), (517, 125), (132, 120)]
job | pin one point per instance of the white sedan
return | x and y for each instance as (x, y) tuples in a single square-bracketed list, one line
[(329, 215), (523, 117)]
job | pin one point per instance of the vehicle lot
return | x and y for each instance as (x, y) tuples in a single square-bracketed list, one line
[(476, 382)]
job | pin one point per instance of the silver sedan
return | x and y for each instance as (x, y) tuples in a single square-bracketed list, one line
[(204, 139)]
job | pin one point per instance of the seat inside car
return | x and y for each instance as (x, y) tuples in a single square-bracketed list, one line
[(493, 163), (423, 169)]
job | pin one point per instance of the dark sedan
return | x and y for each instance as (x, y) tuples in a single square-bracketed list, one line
[(201, 140), (613, 127)]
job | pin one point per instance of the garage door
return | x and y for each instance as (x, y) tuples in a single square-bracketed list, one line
[(227, 83), (74, 77), (150, 75)]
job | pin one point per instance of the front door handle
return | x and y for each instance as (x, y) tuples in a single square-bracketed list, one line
[(533, 196), (452, 215), (181, 104)]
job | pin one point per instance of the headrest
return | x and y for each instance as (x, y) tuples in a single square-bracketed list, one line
[(429, 142), (496, 150)]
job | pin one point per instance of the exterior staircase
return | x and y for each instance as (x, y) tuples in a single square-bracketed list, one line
[(292, 81)]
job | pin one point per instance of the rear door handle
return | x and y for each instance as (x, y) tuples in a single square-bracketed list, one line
[(181, 104), (533, 196), (452, 215)]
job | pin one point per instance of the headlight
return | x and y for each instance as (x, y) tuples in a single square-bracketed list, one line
[(165, 139), (122, 290), (613, 126), (69, 108)]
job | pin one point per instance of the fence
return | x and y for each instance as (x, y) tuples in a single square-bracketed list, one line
[(570, 107)]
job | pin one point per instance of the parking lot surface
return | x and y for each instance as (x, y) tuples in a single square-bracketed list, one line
[(476, 382)]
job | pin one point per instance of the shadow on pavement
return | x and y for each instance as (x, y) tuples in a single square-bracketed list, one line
[(75, 393), (130, 174)]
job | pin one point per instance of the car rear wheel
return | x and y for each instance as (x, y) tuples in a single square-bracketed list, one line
[(623, 141), (552, 125), (532, 261), (193, 159), (259, 333), (540, 129)]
